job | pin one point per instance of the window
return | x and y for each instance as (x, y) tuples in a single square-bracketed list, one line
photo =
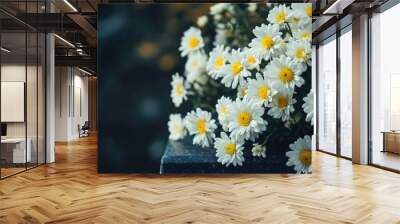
[(346, 93), (327, 96), (385, 89)]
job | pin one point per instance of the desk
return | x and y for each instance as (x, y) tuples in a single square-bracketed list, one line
[(391, 141), (14, 150)]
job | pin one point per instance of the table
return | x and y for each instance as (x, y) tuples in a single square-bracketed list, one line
[(391, 141), (14, 150)]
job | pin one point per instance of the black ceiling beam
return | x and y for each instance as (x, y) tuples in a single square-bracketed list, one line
[(91, 5), (49, 22), (11, 25), (86, 50), (78, 61)]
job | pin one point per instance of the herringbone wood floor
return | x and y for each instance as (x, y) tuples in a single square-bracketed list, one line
[(71, 191)]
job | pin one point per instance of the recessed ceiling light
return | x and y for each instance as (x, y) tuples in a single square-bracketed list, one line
[(84, 71), (70, 5), (337, 7), (5, 50), (64, 40)]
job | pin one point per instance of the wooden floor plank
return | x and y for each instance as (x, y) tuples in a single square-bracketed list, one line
[(71, 191)]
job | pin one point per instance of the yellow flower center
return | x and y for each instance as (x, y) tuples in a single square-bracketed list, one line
[(179, 89), (267, 42), (296, 20), (309, 11), (286, 75), (230, 149), (263, 92), (236, 68), (242, 92), (283, 101), (223, 110), (280, 17), (219, 62), (300, 53), (306, 35), (194, 42), (305, 157), (244, 118), (201, 126), (251, 59)]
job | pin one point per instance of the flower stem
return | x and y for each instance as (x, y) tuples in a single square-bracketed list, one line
[(289, 29), (266, 140)]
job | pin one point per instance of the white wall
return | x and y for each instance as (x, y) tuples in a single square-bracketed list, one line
[(71, 92), (16, 73), (61, 103)]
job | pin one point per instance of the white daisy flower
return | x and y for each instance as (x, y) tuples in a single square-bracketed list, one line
[(252, 59), (229, 150), (235, 70), (176, 127), (199, 86), (303, 10), (220, 7), (279, 15), (284, 73), (308, 107), (282, 106), (260, 89), (242, 90), (195, 67), (202, 21), (221, 36), (191, 41), (258, 150), (267, 41), (178, 92), (200, 124), (252, 7), (245, 119), (304, 33), (222, 109), (300, 155), (301, 14), (217, 61), (300, 51), (283, 46)]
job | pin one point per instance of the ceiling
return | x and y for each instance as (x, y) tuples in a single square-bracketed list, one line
[(76, 22)]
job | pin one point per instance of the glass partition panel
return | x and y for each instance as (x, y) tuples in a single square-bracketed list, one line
[(327, 96), (14, 153), (41, 98), (31, 98), (22, 78)]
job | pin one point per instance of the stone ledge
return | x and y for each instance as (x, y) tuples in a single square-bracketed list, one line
[(183, 157)]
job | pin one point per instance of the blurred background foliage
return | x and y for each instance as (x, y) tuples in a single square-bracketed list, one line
[(138, 52)]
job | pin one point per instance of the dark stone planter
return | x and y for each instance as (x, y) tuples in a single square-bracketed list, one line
[(183, 157)]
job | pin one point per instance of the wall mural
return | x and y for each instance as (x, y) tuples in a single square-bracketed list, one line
[(239, 98)]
